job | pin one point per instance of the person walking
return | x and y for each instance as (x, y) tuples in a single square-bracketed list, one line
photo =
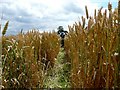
[(62, 34)]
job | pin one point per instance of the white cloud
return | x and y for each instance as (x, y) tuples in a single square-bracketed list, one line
[(44, 14)]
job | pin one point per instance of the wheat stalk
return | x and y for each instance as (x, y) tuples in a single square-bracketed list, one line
[(5, 28)]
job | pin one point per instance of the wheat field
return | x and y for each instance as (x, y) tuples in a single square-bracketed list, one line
[(92, 51)]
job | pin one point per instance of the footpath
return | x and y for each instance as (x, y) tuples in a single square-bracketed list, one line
[(58, 77)]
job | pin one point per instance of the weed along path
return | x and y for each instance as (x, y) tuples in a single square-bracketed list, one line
[(58, 77)]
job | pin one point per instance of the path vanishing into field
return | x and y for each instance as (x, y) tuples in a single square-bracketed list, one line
[(58, 77)]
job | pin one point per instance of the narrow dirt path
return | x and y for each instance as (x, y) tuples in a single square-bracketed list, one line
[(58, 77)]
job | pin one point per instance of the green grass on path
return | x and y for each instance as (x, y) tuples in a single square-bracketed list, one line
[(58, 77)]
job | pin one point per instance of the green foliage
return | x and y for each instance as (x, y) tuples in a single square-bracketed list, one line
[(58, 77)]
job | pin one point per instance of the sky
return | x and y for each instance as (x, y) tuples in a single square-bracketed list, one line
[(45, 15)]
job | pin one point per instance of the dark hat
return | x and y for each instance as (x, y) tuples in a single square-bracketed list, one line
[(60, 28)]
